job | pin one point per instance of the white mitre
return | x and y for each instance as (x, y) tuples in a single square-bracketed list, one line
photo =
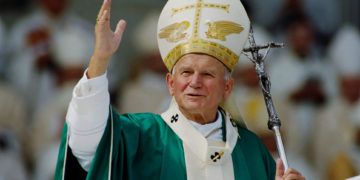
[(344, 51), (218, 28), (71, 47)]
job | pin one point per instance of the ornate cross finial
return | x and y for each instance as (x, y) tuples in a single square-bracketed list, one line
[(259, 60), (252, 52)]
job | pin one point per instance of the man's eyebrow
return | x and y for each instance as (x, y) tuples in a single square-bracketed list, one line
[(184, 67), (212, 70)]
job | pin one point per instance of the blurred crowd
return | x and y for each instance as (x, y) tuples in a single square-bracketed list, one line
[(315, 83)]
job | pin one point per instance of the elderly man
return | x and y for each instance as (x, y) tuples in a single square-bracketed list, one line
[(195, 138)]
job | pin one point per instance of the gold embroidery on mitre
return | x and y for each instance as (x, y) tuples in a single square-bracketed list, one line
[(221, 29), (220, 52), (174, 32)]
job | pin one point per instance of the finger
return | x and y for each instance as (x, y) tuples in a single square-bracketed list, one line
[(101, 12), (292, 171), (294, 176), (279, 168), (105, 6), (120, 29), (104, 19)]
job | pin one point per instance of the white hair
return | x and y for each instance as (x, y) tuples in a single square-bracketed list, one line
[(227, 72)]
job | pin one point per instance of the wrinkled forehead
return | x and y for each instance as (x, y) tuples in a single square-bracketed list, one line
[(200, 61)]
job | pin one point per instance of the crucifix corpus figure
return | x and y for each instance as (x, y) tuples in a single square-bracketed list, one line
[(258, 59)]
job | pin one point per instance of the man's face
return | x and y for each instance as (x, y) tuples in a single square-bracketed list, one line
[(198, 83), (301, 38)]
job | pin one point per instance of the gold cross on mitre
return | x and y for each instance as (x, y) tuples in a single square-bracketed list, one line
[(198, 9)]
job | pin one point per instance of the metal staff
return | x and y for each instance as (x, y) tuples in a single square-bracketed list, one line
[(258, 59)]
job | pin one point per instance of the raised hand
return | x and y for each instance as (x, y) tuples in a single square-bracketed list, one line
[(289, 174), (106, 41)]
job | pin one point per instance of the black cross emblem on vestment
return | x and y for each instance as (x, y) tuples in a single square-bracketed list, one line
[(174, 118), (215, 157)]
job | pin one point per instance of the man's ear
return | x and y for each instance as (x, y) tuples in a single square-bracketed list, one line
[(229, 84), (170, 83)]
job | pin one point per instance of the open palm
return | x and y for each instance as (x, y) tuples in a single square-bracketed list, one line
[(107, 41)]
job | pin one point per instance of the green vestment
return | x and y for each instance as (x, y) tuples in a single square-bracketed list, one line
[(143, 147)]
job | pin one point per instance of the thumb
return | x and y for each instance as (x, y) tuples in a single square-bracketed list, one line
[(120, 27), (279, 169)]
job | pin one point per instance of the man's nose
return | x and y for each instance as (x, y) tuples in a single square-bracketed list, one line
[(195, 81)]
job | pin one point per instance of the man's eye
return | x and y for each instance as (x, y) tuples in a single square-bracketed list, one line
[(185, 72), (208, 74)]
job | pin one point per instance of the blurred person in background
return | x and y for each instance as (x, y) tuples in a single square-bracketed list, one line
[(146, 89), (33, 64), (12, 134), (302, 83), (48, 120), (12, 125), (325, 16), (12, 116), (338, 123), (45, 47)]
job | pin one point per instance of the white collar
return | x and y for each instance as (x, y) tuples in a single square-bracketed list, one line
[(206, 129), (192, 137)]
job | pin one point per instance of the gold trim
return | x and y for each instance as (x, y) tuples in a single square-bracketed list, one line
[(220, 52)]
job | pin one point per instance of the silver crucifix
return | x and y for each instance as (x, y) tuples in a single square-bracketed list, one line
[(252, 52)]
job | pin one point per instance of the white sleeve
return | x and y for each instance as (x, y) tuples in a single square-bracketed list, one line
[(87, 116)]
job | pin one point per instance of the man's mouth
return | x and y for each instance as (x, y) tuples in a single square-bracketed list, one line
[(194, 95)]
